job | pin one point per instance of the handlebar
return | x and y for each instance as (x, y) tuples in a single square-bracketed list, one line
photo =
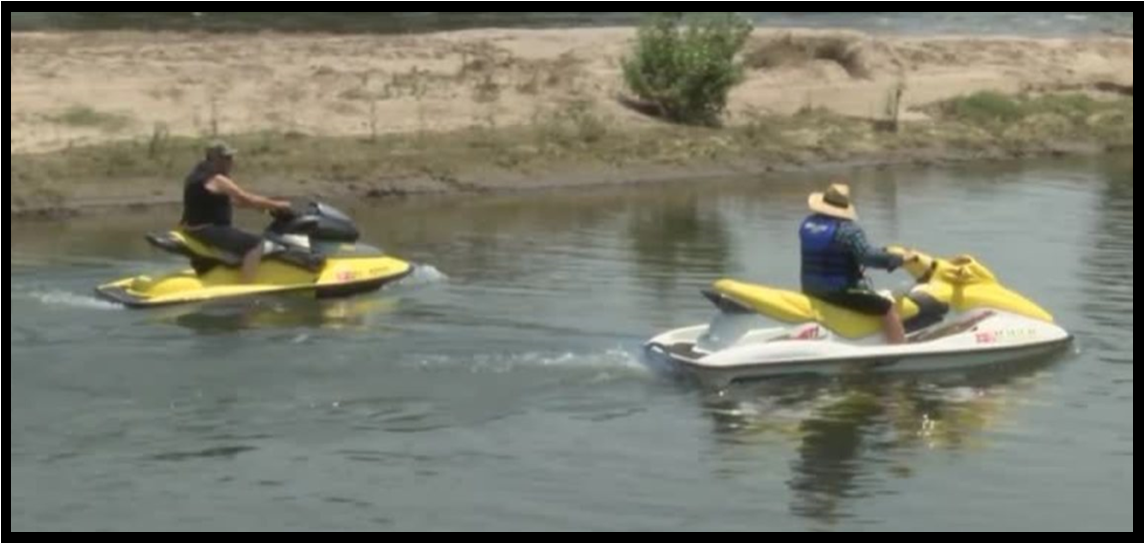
[(280, 214)]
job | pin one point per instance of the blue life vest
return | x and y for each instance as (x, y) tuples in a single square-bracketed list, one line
[(829, 266)]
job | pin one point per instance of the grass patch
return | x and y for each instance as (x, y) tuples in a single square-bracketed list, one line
[(1042, 116), (173, 94), (485, 66), (987, 107), (345, 108), (87, 117), (575, 124), (487, 90), (355, 94), (984, 108), (537, 76)]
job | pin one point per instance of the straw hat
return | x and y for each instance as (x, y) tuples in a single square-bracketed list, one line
[(835, 202)]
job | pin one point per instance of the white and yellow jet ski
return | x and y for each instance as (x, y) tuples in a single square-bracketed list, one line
[(957, 316)]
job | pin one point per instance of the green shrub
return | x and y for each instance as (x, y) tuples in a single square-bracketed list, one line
[(687, 65)]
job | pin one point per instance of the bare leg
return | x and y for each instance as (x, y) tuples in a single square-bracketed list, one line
[(250, 265), (893, 327)]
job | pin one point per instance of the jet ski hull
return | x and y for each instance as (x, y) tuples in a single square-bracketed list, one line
[(338, 278), (772, 353)]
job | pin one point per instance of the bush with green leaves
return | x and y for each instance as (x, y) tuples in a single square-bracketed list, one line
[(687, 64)]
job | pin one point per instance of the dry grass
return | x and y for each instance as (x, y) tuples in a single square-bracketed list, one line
[(171, 94), (80, 116), (484, 65), (345, 108), (849, 52), (1058, 115)]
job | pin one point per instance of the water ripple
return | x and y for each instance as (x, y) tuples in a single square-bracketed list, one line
[(228, 452)]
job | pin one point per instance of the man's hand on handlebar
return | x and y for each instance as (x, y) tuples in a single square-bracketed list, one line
[(282, 210)]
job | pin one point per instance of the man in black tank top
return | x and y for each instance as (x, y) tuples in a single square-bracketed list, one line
[(209, 197)]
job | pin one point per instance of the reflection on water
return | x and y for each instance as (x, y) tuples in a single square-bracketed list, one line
[(456, 233), (1110, 266), (679, 237), (852, 434), (366, 313)]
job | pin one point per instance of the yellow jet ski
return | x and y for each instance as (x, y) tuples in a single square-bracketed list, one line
[(313, 252), (957, 316)]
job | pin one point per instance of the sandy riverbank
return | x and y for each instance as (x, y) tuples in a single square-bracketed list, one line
[(496, 109)]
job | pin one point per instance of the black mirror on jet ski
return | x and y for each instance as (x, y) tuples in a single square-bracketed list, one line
[(320, 222)]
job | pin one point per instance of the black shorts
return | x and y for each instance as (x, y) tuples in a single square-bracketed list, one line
[(862, 301), (227, 239)]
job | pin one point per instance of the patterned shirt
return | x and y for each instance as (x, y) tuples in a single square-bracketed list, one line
[(852, 236)]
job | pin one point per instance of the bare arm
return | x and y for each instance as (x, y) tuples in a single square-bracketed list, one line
[(224, 185)]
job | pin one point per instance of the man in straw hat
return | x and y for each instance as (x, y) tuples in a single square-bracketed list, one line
[(835, 254), (209, 196)]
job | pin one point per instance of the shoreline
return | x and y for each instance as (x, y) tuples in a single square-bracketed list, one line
[(115, 119), (567, 180)]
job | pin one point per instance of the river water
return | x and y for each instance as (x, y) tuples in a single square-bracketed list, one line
[(502, 387)]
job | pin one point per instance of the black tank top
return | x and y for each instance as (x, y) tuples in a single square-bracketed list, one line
[(202, 207)]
